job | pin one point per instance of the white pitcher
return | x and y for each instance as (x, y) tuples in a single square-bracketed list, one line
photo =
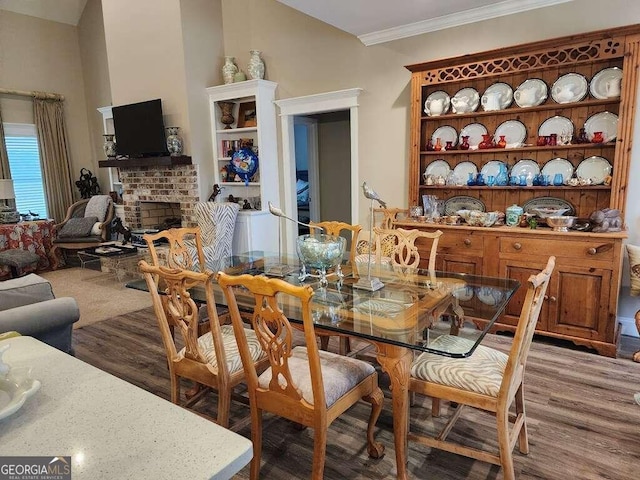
[(612, 87), (491, 101), (435, 106), (526, 97), (564, 93)]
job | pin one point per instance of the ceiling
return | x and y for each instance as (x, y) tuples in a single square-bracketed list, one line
[(378, 21), (372, 21)]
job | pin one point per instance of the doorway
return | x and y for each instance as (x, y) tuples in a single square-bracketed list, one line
[(323, 173), (343, 102)]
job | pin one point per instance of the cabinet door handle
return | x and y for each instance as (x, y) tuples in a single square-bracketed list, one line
[(517, 246), (552, 299), (600, 249), (467, 242)]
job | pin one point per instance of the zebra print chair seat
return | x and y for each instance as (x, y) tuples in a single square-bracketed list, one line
[(217, 223), (488, 380)]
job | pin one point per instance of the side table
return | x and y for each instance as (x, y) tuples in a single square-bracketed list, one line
[(111, 256)]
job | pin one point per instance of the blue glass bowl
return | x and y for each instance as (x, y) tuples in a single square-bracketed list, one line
[(319, 251)]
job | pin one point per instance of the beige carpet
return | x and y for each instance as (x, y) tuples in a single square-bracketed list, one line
[(99, 295)]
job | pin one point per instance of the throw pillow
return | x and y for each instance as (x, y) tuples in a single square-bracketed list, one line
[(97, 207), (77, 227), (634, 268)]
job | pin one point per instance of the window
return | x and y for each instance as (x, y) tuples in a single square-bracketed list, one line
[(26, 171)]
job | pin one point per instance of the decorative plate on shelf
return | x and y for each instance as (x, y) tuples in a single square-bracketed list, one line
[(558, 165), (526, 167), (557, 124), (514, 131), (244, 163), (463, 169), (605, 122), (497, 97), (465, 100), (437, 103), (570, 88), (596, 168), (438, 168), (474, 131), (446, 133), (604, 83), (531, 93), (492, 167), (463, 202), (548, 202)]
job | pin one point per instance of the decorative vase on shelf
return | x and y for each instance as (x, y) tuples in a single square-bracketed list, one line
[(256, 65), (109, 146), (226, 114), (174, 141), (229, 69)]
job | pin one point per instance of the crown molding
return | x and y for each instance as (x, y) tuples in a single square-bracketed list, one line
[(508, 7)]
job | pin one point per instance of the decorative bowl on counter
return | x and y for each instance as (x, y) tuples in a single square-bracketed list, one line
[(319, 252), (546, 212), (479, 219), (560, 223)]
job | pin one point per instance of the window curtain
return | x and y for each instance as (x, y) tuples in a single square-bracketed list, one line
[(5, 172), (54, 155)]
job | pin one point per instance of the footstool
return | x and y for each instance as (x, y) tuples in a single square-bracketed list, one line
[(18, 259)]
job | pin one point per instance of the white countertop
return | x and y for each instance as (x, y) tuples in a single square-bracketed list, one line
[(110, 428)]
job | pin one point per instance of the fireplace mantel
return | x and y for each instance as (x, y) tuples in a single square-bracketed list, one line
[(166, 161)]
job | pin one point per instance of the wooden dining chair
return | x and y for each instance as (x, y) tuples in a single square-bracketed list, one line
[(303, 384), (488, 380), (336, 228), (180, 248), (404, 252), (213, 359)]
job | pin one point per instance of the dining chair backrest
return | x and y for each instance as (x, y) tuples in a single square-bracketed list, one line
[(404, 251), (336, 228), (389, 216), (185, 248)]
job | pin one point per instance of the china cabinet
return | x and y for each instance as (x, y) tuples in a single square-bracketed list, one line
[(247, 103), (586, 81)]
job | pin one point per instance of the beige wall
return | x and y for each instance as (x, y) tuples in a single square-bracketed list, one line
[(97, 90), (41, 55)]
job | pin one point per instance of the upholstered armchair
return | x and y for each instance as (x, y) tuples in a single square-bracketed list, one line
[(86, 224), (217, 222)]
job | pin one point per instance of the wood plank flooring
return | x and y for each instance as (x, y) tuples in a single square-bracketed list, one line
[(583, 421)]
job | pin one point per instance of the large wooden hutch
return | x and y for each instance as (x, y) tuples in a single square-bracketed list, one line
[(582, 298)]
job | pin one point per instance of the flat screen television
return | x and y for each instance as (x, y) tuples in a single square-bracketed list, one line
[(139, 129)]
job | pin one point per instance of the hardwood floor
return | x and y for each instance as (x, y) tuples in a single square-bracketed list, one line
[(583, 421)]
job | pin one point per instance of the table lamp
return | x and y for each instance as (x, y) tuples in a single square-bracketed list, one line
[(7, 214)]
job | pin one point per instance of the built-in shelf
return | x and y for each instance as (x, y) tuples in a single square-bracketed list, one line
[(237, 130), (167, 161), (529, 148), (515, 187)]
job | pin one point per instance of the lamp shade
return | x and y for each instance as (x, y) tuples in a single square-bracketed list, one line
[(6, 189)]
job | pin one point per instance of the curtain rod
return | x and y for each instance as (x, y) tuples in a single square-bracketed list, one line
[(34, 94)]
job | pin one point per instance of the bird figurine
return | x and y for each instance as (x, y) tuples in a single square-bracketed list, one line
[(34, 215), (372, 195)]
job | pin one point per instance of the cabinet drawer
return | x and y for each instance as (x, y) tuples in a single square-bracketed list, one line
[(460, 242), (596, 250)]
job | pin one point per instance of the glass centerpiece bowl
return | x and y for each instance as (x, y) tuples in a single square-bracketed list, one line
[(319, 253)]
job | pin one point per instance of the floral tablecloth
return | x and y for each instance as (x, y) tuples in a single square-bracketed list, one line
[(36, 237)]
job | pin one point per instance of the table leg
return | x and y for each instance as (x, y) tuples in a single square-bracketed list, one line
[(396, 361)]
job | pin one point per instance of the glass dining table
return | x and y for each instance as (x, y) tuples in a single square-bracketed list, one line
[(404, 317)]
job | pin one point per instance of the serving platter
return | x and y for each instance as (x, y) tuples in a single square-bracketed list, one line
[(465, 100), (527, 167), (548, 202), (570, 88), (595, 168), (492, 167), (464, 169), (531, 93), (558, 165), (598, 85), (438, 168), (463, 202), (445, 133), (514, 131), (474, 131), (605, 122), (557, 124)]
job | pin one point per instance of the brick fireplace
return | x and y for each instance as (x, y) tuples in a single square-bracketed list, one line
[(173, 188)]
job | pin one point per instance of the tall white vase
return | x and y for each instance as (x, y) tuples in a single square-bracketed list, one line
[(229, 69), (256, 65)]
